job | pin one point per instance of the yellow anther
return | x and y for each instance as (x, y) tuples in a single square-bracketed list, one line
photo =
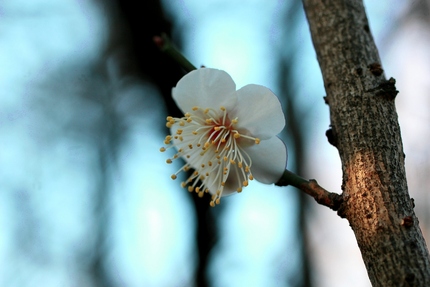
[(246, 168), (234, 121), (222, 108), (190, 146), (180, 150), (183, 184), (187, 115), (250, 177), (175, 156), (195, 108), (232, 161), (173, 176), (212, 204), (168, 160), (179, 132), (217, 128), (169, 118), (189, 120), (206, 111), (245, 183), (182, 123), (225, 158), (223, 183), (194, 132), (168, 124), (239, 189), (239, 164), (190, 188), (218, 201), (201, 193), (208, 121), (209, 163), (203, 165), (257, 140), (162, 149), (207, 144), (236, 135)]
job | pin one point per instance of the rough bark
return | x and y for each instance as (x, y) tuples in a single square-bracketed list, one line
[(365, 130)]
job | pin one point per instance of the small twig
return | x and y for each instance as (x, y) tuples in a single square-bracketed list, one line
[(163, 42), (311, 187)]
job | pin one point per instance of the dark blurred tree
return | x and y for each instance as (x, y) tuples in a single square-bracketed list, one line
[(365, 130), (296, 128), (144, 20)]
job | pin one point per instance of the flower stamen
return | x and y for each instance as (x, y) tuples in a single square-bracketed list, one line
[(211, 144)]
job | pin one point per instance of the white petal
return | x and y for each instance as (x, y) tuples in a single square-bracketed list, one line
[(269, 159), (230, 187), (231, 184), (259, 112), (205, 88)]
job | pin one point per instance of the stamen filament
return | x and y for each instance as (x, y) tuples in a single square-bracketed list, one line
[(208, 140)]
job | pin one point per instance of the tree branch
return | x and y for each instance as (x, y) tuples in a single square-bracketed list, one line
[(366, 132), (312, 188)]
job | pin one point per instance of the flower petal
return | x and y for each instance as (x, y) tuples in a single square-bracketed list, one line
[(205, 88), (269, 159), (259, 111), (230, 186)]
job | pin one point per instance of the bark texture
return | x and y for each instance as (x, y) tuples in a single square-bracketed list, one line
[(365, 130)]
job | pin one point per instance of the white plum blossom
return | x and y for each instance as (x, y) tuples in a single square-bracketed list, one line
[(228, 137)]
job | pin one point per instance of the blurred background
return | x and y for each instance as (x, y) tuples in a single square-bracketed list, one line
[(86, 198)]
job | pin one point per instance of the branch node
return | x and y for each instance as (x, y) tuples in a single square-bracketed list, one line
[(331, 137), (408, 221), (376, 69), (387, 89), (326, 100)]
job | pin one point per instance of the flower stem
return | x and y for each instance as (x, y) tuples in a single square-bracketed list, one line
[(163, 42), (312, 188)]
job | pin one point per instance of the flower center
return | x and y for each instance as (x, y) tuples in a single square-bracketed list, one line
[(210, 143)]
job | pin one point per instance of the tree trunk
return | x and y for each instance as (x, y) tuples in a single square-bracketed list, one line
[(365, 130)]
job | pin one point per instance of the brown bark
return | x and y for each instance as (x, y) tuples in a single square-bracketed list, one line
[(365, 130)]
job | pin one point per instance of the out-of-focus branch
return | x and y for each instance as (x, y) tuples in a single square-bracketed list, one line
[(163, 42)]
